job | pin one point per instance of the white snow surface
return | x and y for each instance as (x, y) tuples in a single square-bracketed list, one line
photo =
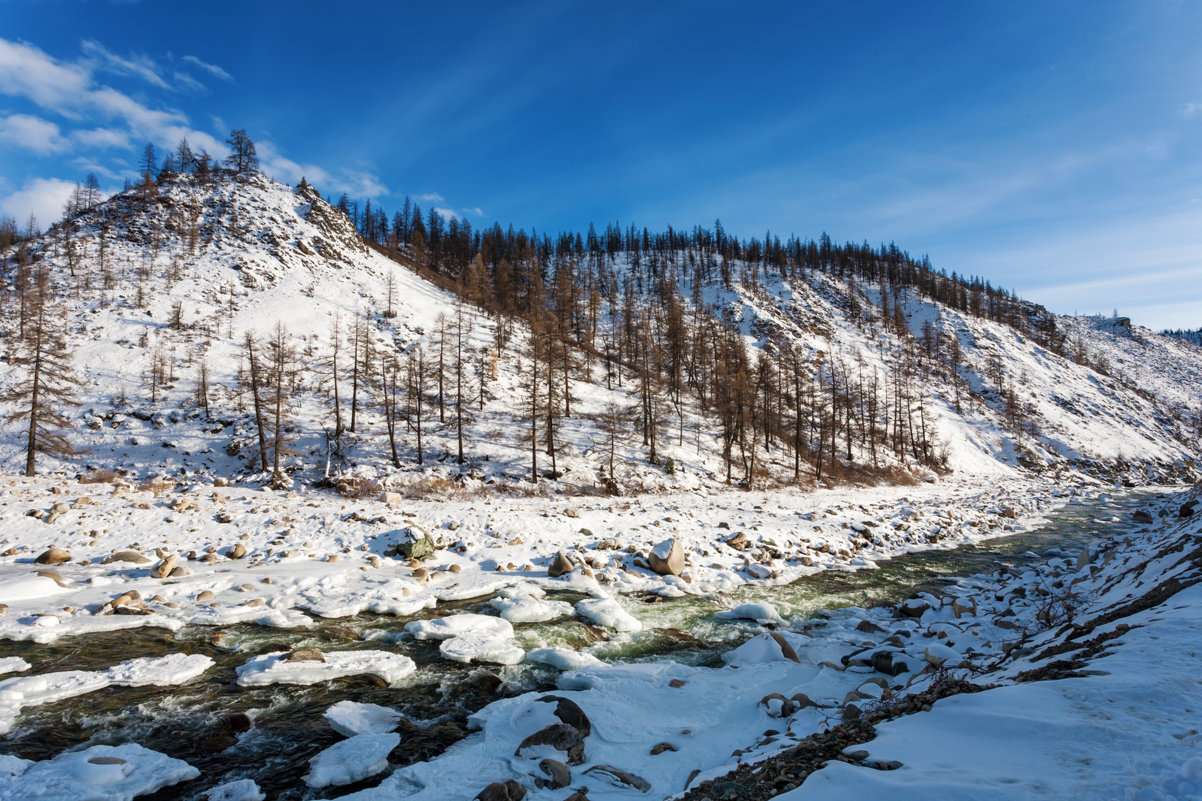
[(98, 773), (480, 648), (608, 612), (351, 760), (274, 668), (350, 718), (527, 609), (1125, 729), (445, 628)]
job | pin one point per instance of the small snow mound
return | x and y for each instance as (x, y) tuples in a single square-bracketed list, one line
[(351, 760), (530, 610), (101, 773), (480, 648), (761, 613), (444, 628), (274, 669), (350, 718), (609, 613), (563, 658)]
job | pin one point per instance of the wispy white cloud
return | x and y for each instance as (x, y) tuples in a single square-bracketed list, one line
[(431, 197), (70, 90), (45, 198), (446, 214), (32, 133), (212, 69), (357, 184), (102, 138), (475, 211), (26, 71), (1191, 109), (137, 65), (187, 81)]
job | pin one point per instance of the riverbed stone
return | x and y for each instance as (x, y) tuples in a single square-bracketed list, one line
[(559, 736), (667, 558), (163, 569), (56, 511), (560, 565), (620, 778), (556, 772), (414, 543), (305, 655), (569, 712), (54, 556), (738, 541), (132, 557)]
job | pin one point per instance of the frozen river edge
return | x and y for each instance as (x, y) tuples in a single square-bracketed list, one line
[(864, 528)]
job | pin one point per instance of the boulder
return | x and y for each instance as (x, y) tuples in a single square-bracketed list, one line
[(556, 772), (620, 778), (58, 510), (777, 705), (667, 558), (889, 663), (560, 565), (238, 551), (913, 607), (163, 569), (786, 650), (559, 736), (54, 576), (1142, 516), (569, 712), (738, 541), (392, 498), (414, 543), (132, 557), (502, 791), (1187, 509), (54, 556)]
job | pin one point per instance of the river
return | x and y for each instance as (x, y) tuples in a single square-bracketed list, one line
[(185, 722)]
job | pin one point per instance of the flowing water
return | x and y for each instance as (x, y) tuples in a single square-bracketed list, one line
[(186, 722)]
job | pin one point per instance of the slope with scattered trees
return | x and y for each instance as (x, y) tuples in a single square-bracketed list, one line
[(227, 324)]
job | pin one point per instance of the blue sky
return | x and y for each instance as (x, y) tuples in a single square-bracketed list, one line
[(1051, 147)]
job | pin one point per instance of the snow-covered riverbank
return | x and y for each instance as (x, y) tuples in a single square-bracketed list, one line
[(665, 723), (234, 555)]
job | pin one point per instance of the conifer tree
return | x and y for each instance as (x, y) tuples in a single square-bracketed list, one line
[(46, 380)]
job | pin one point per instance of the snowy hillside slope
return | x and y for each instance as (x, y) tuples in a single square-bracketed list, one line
[(183, 276), (1143, 408)]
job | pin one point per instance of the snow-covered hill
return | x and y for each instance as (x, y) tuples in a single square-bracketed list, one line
[(173, 282)]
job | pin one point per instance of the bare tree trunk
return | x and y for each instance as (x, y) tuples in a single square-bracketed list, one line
[(255, 377)]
